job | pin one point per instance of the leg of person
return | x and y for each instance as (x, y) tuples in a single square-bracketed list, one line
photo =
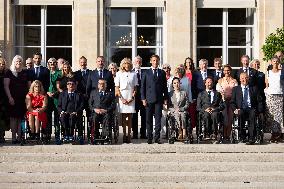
[(163, 123), (56, 125), (13, 126), (129, 124), (149, 122), (31, 120), (79, 124), (158, 115), (215, 121), (143, 122), (37, 128), (207, 118), (242, 132), (135, 124), (251, 126), (64, 118), (73, 119), (123, 123), (183, 125), (19, 129)]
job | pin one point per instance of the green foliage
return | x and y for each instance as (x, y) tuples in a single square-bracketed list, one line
[(273, 43)]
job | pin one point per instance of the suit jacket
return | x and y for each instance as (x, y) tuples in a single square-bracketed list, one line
[(138, 102), (107, 101), (63, 101), (255, 98), (82, 81), (198, 83), (203, 101), (93, 78), (252, 76), (216, 77), (43, 76), (154, 90), (182, 104)]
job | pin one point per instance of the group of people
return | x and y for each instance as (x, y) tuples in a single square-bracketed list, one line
[(57, 96)]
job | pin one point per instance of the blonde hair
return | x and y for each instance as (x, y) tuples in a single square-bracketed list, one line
[(125, 61), (2, 60), (253, 61), (112, 64), (70, 73), (203, 61), (52, 59), (34, 83), (13, 65)]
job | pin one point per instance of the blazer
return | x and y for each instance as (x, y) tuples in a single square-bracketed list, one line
[(182, 104), (138, 102), (203, 101), (252, 76), (198, 83), (63, 99), (93, 78), (43, 76), (82, 81), (154, 91), (107, 101), (255, 98), (216, 77)]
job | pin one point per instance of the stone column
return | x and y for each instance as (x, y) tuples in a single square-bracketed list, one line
[(88, 31), (179, 31), (269, 18)]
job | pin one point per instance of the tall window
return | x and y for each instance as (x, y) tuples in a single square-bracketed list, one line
[(134, 31), (226, 33), (45, 29)]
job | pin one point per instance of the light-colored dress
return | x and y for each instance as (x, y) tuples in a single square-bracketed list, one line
[(126, 81), (274, 102)]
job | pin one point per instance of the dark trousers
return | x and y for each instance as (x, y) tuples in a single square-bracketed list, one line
[(142, 111), (103, 119), (211, 122), (247, 114), (68, 122), (151, 109), (52, 108)]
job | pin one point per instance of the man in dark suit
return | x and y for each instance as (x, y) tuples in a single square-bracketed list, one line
[(38, 72), (246, 102), (99, 73), (138, 103), (70, 104), (102, 104), (81, 76), (154, 94), (209, 106), (217, 73), (252, 73)]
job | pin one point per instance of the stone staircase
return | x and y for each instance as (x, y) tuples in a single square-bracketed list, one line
[(140, 165)]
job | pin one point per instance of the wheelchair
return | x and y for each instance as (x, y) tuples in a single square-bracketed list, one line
[(214, 135), (73, 140), (106, 131), (236, 130), (173, 129)]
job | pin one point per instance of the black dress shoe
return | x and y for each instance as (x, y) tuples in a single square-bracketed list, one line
[(134, 137), (158, 141), (149, 141)]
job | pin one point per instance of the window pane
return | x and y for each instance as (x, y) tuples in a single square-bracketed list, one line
[(209, 36), (146, 54), (209, 16), (120, 36), (117, 54), (65, 53), (240, 16), (27, 36), (209, 54), (59, 36), (149, 16), (149, 36), (237, 36), (28, 15), (26, 52), (234, 56), (118, 16), (59, 15)]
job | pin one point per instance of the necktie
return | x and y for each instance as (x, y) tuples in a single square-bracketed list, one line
[(37, 71), (101, 94), (155, 74), (84, 73), (245, 70), (209, 96), (245, 100), (71, 95), (101, 74), (204, 75), (138, 77)]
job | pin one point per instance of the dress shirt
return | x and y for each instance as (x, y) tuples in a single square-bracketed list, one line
[(246, 70), (248, 97), (211, 95), (204, 74)]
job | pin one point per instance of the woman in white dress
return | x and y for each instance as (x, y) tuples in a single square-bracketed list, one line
[(274, 100), (125, 88)]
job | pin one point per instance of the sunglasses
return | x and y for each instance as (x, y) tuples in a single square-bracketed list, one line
[(70, 83)]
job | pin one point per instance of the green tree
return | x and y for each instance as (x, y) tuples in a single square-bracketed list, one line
[(273, 43)]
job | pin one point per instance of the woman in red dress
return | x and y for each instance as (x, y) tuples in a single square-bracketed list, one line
[(36, 103)]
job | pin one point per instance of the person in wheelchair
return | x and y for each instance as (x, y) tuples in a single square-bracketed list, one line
[(246, 103), (178, 105), (70, 103), (102, 104), (36, 103), (209, 105)]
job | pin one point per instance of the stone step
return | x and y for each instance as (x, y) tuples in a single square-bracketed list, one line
[(57, 167), (115, 177), (149, 185), (146, 148)]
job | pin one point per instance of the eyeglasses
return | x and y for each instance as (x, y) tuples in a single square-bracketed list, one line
[(70, 83)]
